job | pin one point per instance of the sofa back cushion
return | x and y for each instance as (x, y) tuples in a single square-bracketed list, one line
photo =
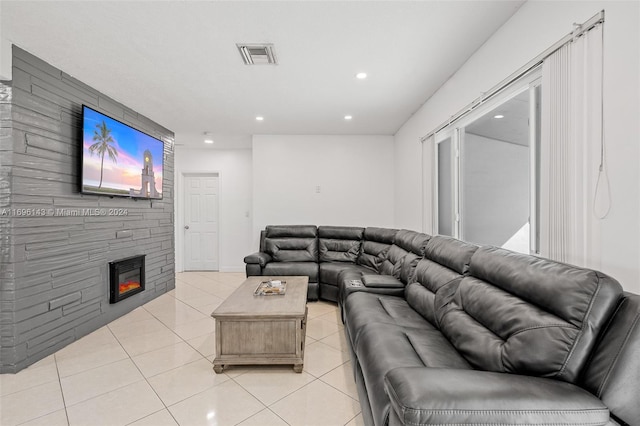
[(521, 314), (404, 254), (291, 231), (613, 371), (339, 243), (375, 246), (392, 262), (445, 261), (292, 243)]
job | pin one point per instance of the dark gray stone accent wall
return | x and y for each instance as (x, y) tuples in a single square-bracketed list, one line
[(6, 275), (54, 266)]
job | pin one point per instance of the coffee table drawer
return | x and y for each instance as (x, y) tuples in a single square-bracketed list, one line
[(258, 337)]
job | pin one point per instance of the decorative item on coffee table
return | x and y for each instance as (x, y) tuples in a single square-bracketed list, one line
[(271, 288)]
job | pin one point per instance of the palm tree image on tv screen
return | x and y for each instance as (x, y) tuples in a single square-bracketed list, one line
[(103, 146), (118, 159)]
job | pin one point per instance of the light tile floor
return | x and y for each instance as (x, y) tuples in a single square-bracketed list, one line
[(153, 367)]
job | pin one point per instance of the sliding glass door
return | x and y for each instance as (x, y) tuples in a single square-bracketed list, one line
[(446, 207), (487, 173)]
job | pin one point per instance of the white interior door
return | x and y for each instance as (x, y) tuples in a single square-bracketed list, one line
[(201, 222)]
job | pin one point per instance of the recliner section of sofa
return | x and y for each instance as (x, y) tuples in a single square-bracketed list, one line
[(288, 250), (522, 314), (386, 331), (532, 318), (340, 247)]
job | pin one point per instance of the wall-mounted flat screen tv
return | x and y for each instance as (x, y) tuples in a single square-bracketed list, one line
[(118, 160)]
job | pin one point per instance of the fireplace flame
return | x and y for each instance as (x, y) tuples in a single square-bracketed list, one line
[(128, 286)]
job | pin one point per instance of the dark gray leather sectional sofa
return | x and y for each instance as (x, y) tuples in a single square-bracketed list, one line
[(443, 332), (326, 254)]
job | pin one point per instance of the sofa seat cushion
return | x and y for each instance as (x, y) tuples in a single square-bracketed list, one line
[(309, 269), (439, 396), (364, 308), (384, 347), (330, 271)]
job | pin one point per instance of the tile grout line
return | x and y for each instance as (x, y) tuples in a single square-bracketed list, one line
[(166, 407), (29, 387), (145, 378), (136, 366), (280, 399), (112, 390), (353, 418), (130, 357), (173, 331), (339, 390), (64, 403)]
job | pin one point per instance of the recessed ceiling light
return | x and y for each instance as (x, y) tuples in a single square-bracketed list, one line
[(498, 116), (348, 117), (361, 75), (209, 141), (259, 118)]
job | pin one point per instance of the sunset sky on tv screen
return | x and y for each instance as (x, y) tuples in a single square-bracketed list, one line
[(129, 144)]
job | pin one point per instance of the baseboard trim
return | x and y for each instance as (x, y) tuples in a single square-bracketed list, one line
[(231, 269)]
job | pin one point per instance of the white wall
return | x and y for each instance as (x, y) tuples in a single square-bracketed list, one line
[(534, 28), (495, 189), (6, 59), (354, 173), (234, 169)]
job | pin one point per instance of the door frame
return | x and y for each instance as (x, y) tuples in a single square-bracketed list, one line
[(180, 211)]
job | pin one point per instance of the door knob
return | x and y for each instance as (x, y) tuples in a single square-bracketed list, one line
[(186, 227)]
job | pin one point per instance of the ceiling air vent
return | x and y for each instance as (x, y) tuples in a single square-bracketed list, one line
[(257, 54)]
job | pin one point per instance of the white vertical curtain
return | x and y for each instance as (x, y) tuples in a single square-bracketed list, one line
[(572, 151), (428, 176)]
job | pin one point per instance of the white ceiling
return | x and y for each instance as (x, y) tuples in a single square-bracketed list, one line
[(176, 62), (513, 127)]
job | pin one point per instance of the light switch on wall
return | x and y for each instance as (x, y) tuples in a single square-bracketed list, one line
[(317, 189)]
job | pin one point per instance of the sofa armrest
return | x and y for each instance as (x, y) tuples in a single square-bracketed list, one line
[(377, 281), (428, 396), (260, 258), (354, 286)]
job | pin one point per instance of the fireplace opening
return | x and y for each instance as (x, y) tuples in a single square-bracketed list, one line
[(126, 278)]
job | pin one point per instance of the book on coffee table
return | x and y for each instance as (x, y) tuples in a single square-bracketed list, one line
[(271, 288)]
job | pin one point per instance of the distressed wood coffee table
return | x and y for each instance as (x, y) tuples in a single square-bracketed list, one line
[(262, 329)]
